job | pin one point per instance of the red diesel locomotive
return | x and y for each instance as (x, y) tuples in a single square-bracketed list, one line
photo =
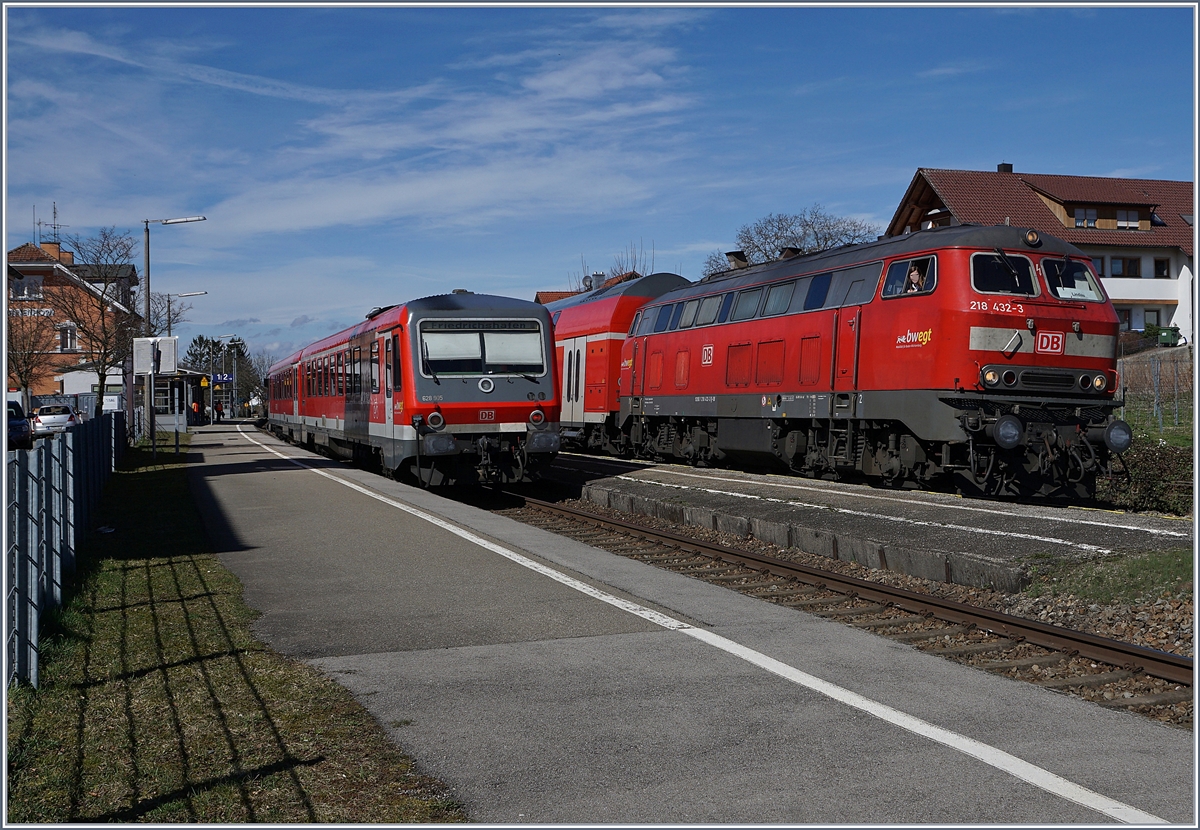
[(457, 388), (986, 354)]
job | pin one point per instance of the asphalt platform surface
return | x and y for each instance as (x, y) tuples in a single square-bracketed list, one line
[(546, 681)]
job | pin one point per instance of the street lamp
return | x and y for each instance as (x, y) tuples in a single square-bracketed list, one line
[(185, 294), (146, 256)]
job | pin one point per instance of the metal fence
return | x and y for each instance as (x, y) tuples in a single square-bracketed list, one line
[(1158, 392), (52, 490)]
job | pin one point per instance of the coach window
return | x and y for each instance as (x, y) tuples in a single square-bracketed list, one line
[(911, 276), (663, 318), (779, 297), (374, 367), (993, 273), (707, 313), (726, 304), (688, 317)]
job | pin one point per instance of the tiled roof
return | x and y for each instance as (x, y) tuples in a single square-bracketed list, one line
[(29, 253), (547, 297), (992, 198)]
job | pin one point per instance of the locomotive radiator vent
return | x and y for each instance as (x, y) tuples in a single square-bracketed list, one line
[(1048, 380)]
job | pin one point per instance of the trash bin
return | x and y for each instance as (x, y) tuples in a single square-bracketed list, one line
[(1169, 337)]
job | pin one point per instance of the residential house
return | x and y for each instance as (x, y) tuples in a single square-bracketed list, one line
[(1139, 232), (36, 271)]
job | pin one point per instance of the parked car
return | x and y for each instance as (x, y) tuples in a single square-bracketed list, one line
[(20, 431), (52, 418)]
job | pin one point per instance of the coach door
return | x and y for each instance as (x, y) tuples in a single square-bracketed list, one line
[(573, 363), (845, 375)]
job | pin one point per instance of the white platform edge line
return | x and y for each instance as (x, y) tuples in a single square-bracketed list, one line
[(996, 758)]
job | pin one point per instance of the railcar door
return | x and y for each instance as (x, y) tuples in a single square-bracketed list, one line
[(573, 382), (845, 375)]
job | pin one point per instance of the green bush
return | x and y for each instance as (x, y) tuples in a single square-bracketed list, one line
[(1158, 478)]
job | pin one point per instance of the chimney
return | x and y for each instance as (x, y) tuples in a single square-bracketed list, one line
[(54, 249), (67, 257), (1003, 167), (737, 259)]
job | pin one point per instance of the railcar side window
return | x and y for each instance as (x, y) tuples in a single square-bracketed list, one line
[(1069, 279), (747, 304), (992, 273), (341, 374), (357, 370), (397, 381), (374, 366), (779, 297), (911, 276), (688, 316), (709, 307), (817, 291), (387, 362), (675, 316)]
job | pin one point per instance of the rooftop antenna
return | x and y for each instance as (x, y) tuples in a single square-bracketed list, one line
[(54, 225)]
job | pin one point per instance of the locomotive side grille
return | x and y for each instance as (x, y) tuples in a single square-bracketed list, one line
[(1062, 381)]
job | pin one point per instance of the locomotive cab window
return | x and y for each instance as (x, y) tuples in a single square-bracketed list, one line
[(1070, 279), (633, 326), (663, 319), (998, 273), (911, 276)]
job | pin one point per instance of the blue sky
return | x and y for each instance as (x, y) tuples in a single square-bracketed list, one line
[(354, 157)]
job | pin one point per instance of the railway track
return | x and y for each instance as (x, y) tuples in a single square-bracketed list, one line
[(1108, 672)]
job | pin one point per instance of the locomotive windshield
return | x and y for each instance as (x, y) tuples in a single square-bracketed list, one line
[(1070, 279), (481, 347), (1000, 273)]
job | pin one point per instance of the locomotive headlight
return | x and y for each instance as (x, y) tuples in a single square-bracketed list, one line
[(537, 417), (1007, 431), (1085, 382), (1099, 383), (991, 377), (436, 420), (1118, 436)]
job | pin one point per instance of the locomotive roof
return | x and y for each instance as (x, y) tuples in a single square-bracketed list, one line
[(652, 285), (957, 236)]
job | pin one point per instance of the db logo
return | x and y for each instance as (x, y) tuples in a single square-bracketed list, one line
[(487, 414), (1050, 342), (706, 354)]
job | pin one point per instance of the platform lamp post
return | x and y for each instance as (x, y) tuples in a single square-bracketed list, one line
[(212, 399), (174, 405), (149, 387)]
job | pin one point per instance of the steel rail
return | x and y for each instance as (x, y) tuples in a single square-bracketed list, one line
[(1162, 664)]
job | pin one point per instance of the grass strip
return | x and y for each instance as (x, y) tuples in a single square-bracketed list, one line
[(1131, 578), (157, 704)]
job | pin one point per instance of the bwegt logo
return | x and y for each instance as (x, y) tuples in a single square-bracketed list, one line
[(914, 338)]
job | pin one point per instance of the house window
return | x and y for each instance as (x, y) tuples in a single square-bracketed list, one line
[(1127, 220), (1152, 317), (1098, 264), (26, 288), (1125, 317), (68, 339), (1085, 217), (1162, 269), (1126, 266)]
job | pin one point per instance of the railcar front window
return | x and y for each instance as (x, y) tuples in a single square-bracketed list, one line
[(1070, 280), (481, 348), (993, 273)]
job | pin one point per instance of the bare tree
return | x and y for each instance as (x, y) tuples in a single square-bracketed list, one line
[(105, 326), (632, 259), (808, 232), (159, 308), (32, 348)]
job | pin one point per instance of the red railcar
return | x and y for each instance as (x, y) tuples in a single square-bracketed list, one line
[(455, 388), (983, 353)]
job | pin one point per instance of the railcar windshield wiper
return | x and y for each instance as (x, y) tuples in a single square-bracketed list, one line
[(1009, 267), (425, 363)]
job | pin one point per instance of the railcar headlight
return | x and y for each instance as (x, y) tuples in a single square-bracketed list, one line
[(1118, 436), (1099, 383), (991, 377), (1007, 431), (436, 420), (537, 417), (1085, 382), (1010, 378)]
